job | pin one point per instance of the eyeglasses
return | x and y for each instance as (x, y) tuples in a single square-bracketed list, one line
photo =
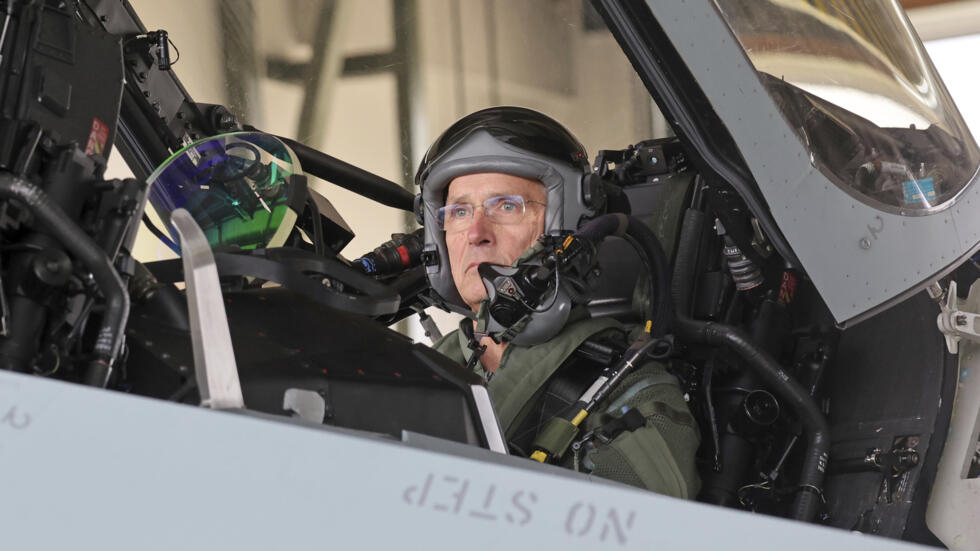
[(502, 209)]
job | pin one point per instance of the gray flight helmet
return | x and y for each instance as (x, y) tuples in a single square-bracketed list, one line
[(508, 140)]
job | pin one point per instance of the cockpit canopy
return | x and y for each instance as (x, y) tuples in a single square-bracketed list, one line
[(853, 82), (851, 139)]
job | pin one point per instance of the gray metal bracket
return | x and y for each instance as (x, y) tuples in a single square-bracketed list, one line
[(214, 357), (496, 440), (953, 512), (956, 324)]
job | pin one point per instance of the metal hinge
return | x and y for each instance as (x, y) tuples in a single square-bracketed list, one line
[(955, 324)]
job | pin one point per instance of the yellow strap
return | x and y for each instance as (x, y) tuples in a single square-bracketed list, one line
[(648, 326), (539, 456)]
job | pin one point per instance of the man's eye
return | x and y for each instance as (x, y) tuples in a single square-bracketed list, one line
[(508, 205), (459, 211)]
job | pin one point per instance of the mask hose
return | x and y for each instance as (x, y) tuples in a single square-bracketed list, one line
[(660, 314), (517, 292)]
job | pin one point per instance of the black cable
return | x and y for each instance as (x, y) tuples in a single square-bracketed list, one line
[(576, 289), (661, 307), (712, 417), (651, 253), (182, 392), (79, 327), (350, 177), (66, 231), (651, 312), (18, 247), (174, 62), (772, 374), (159, 234), (595, 230)]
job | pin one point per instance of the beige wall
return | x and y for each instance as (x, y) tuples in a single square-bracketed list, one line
[(545, 62)]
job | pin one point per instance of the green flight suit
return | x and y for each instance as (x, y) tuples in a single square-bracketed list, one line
[(658, 456)]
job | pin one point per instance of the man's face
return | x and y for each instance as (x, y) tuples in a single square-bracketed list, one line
[(483, 240)]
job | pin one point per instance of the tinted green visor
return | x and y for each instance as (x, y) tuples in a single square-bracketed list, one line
[(238, 187)]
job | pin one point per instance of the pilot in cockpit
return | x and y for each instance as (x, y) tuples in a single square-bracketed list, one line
[(491, 184)]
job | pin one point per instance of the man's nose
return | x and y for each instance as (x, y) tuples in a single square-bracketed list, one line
[(480, 229)]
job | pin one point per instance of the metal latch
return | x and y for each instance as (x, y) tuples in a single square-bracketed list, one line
[(214, 356), (954, 323), (902, 458)]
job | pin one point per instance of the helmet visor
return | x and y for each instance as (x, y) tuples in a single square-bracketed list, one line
[(519, 128)]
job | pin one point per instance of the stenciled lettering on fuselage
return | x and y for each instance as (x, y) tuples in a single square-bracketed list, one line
[(14, 418), (455, 495)]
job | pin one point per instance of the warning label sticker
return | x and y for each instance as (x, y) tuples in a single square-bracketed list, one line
[(97, 137)]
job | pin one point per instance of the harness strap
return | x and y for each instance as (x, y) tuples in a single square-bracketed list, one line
[(561, 392)]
